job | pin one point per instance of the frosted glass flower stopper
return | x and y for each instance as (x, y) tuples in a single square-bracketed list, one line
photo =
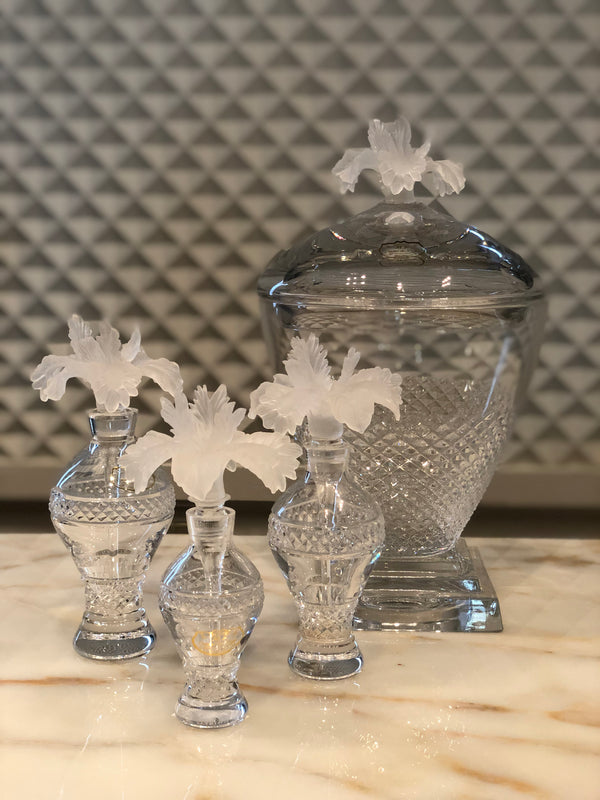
[(111, 369), (307, 389), (205, 441), (399, 164)]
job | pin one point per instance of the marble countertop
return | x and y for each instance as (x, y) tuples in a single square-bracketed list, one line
[(432, 716)]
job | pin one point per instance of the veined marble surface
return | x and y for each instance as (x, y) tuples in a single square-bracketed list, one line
[(432, 716)]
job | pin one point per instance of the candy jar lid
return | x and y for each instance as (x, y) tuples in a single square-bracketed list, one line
[(398, 254), (401, 252)]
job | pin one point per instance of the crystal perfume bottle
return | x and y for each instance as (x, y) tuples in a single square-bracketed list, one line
[(212, 594), (325, 533), (210, 598), (111, 529), (112, 532)]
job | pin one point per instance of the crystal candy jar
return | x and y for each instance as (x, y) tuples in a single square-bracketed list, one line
[(460, 316), (325, 533), (112, 533), (210, 598)]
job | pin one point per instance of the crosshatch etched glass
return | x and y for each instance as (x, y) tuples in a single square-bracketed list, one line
[(460, 317), (210, 599), (112, 533), (430, 468)]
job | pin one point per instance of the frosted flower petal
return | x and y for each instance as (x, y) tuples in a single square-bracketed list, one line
[(351, 164), (308, 390), (270, 456), (444, 177), (143, 457), (113, 371), (399, 164), (206, 441)]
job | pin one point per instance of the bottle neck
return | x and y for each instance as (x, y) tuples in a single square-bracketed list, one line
[(210, 528), (327, 459), (111, 433), (114, 429)]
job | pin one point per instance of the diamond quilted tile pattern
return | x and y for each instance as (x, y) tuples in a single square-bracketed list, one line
[(156, 155)]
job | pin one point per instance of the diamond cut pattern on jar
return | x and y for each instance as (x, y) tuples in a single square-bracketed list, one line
[(429, 470)]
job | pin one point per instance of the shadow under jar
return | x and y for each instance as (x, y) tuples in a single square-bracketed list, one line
[(460, 317)]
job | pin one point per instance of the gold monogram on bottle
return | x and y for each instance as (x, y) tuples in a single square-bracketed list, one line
[(217, 642)]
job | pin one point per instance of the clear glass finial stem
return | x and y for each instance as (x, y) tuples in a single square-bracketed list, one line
[(210, 530)]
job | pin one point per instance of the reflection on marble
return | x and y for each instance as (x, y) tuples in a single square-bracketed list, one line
[(432, 716)]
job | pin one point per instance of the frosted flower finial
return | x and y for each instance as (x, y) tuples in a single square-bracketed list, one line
[(112, 370), (205, 442), (308, 390), (399, 164)]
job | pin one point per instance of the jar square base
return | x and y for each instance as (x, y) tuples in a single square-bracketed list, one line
[(447, 592)]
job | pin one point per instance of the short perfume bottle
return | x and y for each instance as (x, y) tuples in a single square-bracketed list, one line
[(210, 598), (212, 594), (326, 533), (112, 532)]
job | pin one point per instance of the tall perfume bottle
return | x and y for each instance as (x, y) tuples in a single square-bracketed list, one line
[(212, 594), (111, 530), (210, 598), (325, 531)]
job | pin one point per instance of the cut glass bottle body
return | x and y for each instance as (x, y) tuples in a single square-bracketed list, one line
[(112, 533), (325, 533), (210, 599), (460, 317)]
